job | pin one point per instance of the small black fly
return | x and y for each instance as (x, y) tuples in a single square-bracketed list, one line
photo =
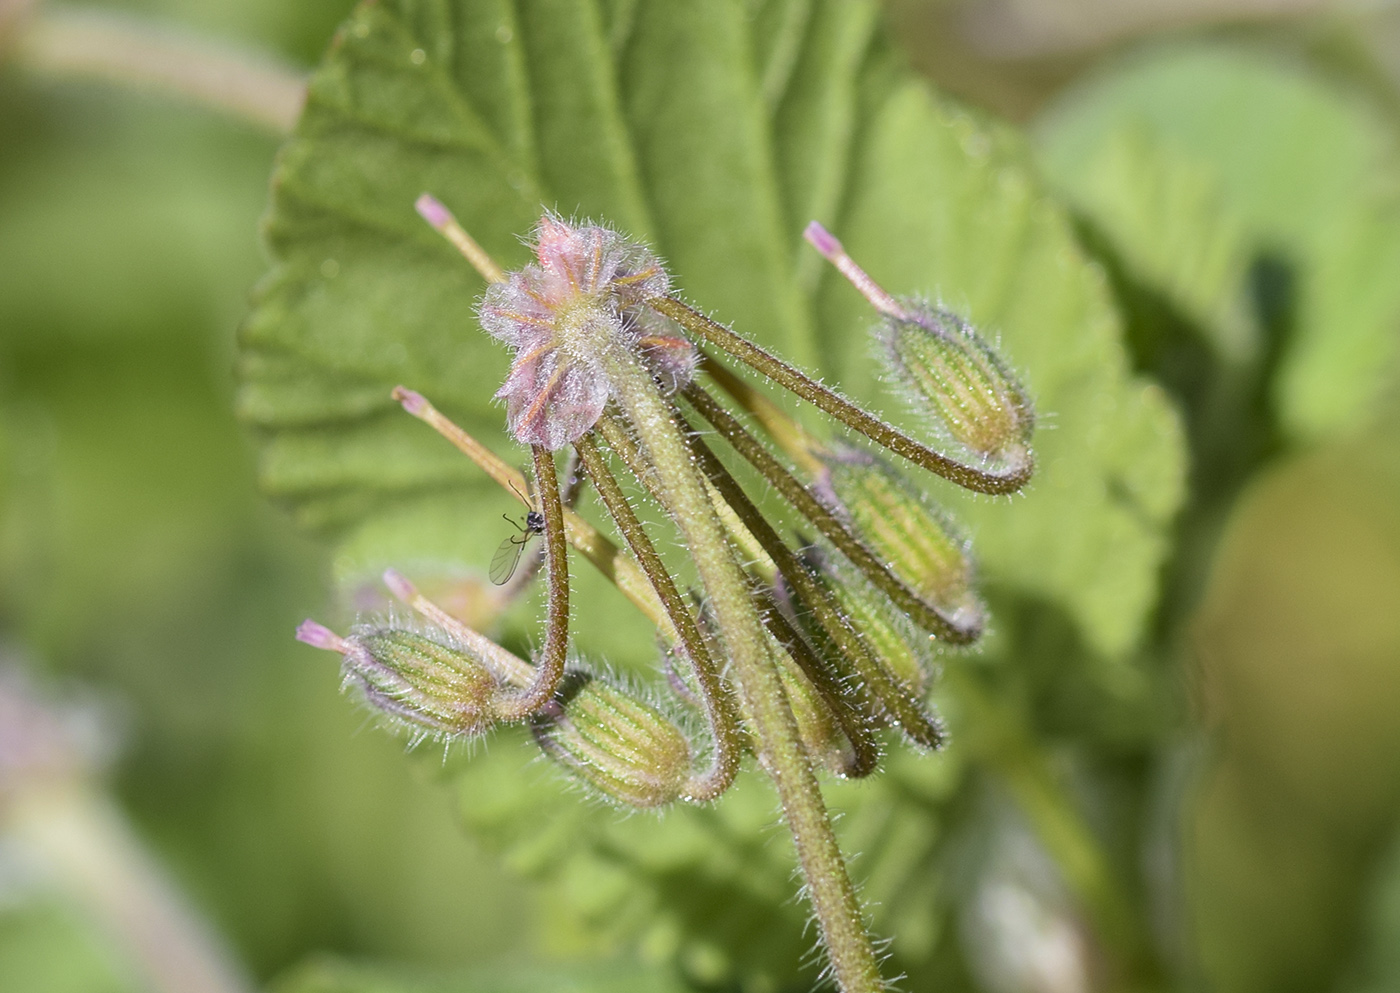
[(507, 557)]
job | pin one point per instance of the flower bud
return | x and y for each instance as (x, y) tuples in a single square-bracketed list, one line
[(952, 374), (900, 525), (621, 746), (428, 683)]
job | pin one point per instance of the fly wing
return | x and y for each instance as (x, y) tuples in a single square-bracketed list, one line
[(505, 560)]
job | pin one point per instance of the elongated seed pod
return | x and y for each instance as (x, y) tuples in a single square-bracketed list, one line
[(429, 684), (617, 743), (950, 373)]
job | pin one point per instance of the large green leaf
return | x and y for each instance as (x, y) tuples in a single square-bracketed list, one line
[(1197, 161)]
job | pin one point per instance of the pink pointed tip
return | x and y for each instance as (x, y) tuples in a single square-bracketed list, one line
[(413, 402), (430, 208), (823, 240), (319, 636), (399, 585)]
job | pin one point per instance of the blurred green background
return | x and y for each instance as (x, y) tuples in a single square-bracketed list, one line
[(1219, 159)]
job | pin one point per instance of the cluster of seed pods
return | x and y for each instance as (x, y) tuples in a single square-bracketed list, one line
[(799, 648), (851, 611)]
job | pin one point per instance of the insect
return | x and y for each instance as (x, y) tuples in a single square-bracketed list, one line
[(507, 557)]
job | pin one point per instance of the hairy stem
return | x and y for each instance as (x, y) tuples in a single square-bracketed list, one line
[(833, 529), (719, 707), (838, 406), (550, 668), (790, 436), (902, 706), (615, 565), (865, 751), (829, 885), (534, 556)]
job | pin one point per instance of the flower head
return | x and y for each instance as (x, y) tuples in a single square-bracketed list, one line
[(561, 315)]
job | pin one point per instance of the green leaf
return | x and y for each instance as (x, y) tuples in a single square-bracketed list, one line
[(712, 887), (717, 136), (1196, 161)]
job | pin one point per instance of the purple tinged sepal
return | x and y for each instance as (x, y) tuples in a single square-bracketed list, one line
[(915, 538), (425, 682), (620, 745)]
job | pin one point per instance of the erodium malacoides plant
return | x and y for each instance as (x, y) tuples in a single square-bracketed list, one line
[(799, 649)]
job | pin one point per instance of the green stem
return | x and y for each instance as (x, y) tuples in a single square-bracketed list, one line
[(829, 885), (832, 528), (719, 708), (142, 54), (838, 406), (901, 705), (550, 668), (865, 750)]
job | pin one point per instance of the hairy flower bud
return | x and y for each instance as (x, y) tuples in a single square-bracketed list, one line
[(562, 315), (428, 683), (623, 747), (916, 539), (952, 374)]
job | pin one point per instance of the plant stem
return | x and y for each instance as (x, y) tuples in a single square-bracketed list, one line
[(829, 885), (790, 436), (149, 55), (550, 668), (615, 566), (719, 707), (838, 406), (832, 528), (865, 750), (898, 702), (83, 839)]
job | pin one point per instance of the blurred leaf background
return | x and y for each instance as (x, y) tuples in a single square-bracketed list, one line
[(1229, 172)]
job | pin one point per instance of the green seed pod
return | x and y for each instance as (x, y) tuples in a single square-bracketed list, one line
[(952, 374), (915, 539), (427, 683), (623, 747)]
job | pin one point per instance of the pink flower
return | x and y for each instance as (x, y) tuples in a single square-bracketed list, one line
[(564, 315)]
